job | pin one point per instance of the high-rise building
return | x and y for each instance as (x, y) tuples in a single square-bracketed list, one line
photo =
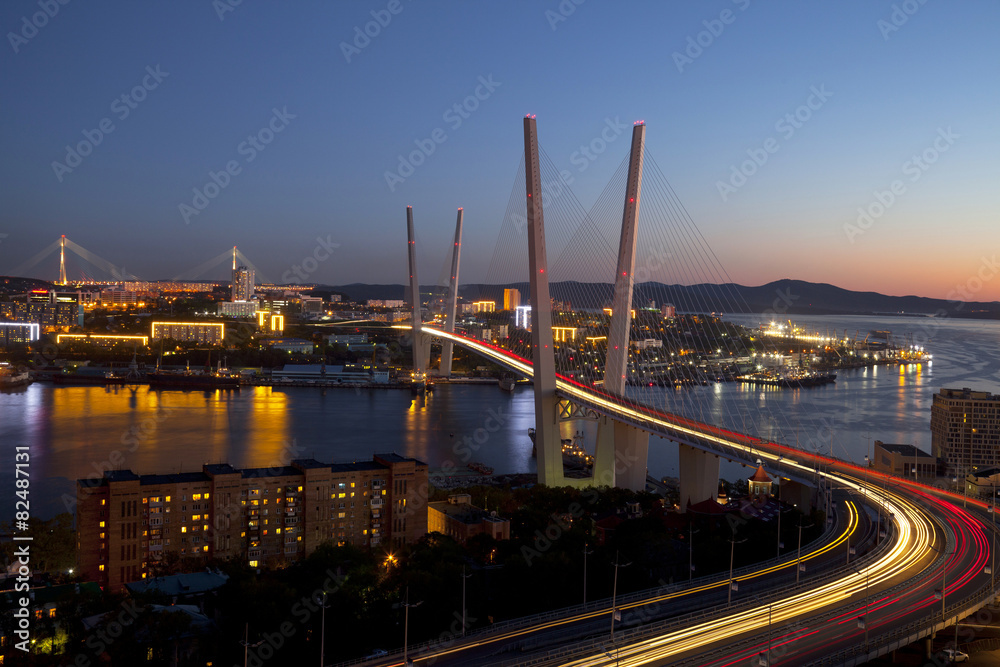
[(127, 523), (243, 284), (965, 431), (511, 299)]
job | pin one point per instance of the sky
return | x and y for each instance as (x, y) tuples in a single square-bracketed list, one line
[(157, 135)]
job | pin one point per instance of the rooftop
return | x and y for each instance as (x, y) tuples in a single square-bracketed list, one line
[(905, 450)]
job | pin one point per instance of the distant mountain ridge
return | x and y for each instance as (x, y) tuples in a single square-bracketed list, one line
[(794, 297)]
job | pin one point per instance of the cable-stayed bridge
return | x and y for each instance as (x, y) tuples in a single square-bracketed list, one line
[(939, 562)]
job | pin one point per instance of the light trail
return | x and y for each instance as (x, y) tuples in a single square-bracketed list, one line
[(914, 525)]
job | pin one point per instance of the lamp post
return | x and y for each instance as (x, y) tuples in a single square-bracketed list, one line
[(406, 624), (464, 577), (586, 552), (246, 644), (864, 621), (614, 595), (691, 532), (732, 553), (323, 604), (798, 560)]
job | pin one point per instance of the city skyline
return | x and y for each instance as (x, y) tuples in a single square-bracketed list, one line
[(299, 121)]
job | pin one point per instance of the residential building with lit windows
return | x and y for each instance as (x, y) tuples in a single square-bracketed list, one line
[(211, 333), (965, 431), (127, 523)]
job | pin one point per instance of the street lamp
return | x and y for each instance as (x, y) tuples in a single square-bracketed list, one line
[(864, 622), (323, 604), (691, 532), (767, 656), (732, 552), (246, 644), (406, 624), (464, 577), (614, 595), (798, 560)]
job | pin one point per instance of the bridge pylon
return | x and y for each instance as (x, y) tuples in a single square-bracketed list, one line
[(419, 355), (625, 463), (547, 441), (451, 304)]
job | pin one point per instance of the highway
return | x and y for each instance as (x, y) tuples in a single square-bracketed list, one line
[(934, 539)]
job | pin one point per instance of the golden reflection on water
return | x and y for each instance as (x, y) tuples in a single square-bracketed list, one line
[(150, 427)]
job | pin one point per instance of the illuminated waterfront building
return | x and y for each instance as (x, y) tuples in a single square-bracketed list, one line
[(102, 340), (127, 523)]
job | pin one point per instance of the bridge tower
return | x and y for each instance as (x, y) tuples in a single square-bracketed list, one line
[(419, 359), (547, 441), (451, 305), (62, 260), (622, 450)]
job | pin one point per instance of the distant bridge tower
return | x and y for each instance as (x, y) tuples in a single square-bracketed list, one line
[(451, 306), (419, 360), (547, 441), (62, 260)]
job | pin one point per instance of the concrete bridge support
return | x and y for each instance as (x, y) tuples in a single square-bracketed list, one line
[(420, 350), (451, 306), (630, 444), (699, 473), (547, 441)]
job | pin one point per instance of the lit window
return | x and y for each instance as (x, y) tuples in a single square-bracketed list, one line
[(184, 529), (253, 563), (168, 499), (206, 496), (277, 531), (196, 496), (101, 568), (102, 524), (205, 548), (103, 501)]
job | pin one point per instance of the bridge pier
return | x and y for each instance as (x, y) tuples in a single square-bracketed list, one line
[(547, 442), (699, 474), (451, 306), (420, 351)]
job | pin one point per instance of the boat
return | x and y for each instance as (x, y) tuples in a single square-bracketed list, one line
[(188, 379), (507, 382), (481, 468), (11, 378), (794, 378)]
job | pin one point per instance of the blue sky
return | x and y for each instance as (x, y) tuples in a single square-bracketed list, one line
[(891, 90)]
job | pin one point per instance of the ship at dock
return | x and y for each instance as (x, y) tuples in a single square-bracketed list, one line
[(788, 379), (11, 378), (221, 378)]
